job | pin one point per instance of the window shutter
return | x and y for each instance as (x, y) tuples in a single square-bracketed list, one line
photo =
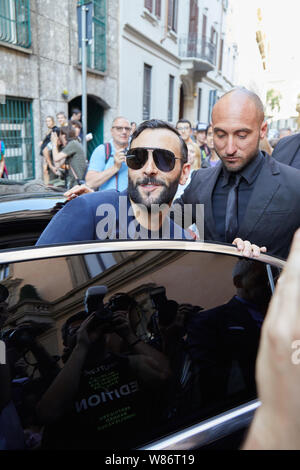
[(193, 28), (158, 8), (170, 13), (149, 5)]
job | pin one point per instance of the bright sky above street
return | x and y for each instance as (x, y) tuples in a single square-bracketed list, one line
[(280, 23)]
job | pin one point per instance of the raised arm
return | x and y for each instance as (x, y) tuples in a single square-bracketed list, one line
[(95, 178), (276, 424)]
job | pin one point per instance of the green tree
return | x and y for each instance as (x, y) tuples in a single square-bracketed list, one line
[(273, 99)]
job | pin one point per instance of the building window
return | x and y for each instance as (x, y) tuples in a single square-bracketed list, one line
[(96, 48), (199, 104), (98, 263), (154, 6), (158, 8), (213, 36), (15, 22), (212, 102), (221, 55), (4, 271), (147, 91), (149, 5), (16, 131), (171, 98), (193, 29), (172, 14)]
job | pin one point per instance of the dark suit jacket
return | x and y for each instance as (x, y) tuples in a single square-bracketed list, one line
[(273, 212), (287, 150), (219, 337)]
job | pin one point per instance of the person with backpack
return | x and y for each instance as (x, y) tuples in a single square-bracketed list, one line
[(107, 168), (3, 170)]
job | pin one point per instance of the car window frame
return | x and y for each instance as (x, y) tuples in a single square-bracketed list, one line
[(206, 431)]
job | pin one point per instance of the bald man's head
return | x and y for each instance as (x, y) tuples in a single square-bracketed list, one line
[(242, 95), (238, 126)]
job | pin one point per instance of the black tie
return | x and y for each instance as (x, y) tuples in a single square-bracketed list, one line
[(231, 220)]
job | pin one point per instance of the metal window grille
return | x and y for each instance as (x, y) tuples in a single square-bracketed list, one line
[(15, 22), (147, 91), (96, 48), (171, 98), (16, 131)]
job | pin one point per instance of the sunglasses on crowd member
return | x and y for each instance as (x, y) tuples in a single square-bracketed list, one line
[(164, 159)]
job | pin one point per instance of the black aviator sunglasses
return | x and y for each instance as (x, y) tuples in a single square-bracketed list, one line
[(163, 159)]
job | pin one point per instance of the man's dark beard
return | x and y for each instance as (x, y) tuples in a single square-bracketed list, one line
[(165, 197), (253, 156)]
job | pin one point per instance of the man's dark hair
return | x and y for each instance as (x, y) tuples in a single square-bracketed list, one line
[(76, 111), (158, 124), (184, 121), (69, 132), (206, 130), (76, 123)]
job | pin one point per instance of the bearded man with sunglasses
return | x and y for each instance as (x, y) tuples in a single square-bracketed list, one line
[(157, 162)]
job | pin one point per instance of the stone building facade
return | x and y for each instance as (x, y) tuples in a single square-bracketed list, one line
[(178, 56), (165, 59), (40, 74)]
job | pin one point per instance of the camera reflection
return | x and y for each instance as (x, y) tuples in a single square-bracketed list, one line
[(132, 366)]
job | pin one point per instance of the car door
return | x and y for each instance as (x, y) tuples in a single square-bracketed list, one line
[(183, 378)]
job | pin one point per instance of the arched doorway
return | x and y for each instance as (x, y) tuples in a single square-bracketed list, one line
[(95, 113)]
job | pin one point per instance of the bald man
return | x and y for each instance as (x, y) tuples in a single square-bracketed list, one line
[(250, 195)]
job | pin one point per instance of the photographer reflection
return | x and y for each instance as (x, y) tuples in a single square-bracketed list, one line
[(27, 389), (169, 329), (223, 341), (108, 393), (11, 432)]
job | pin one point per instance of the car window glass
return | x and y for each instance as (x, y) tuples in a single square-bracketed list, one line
[(175, 340)]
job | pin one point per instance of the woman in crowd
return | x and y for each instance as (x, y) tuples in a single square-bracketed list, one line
[(49, 170), (194, 158), (212, 159), (71, 155)]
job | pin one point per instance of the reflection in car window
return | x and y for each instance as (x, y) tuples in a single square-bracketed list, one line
[(4, 271), (97, 263), (172, 340)]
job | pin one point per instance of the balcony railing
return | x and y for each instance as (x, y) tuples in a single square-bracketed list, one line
[(197, 48)]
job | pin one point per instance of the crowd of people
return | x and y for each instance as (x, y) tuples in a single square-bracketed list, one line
[(65, 165), (64, 161)]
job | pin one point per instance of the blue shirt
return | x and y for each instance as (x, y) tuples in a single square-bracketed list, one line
[(100, 216), (98, 163)]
